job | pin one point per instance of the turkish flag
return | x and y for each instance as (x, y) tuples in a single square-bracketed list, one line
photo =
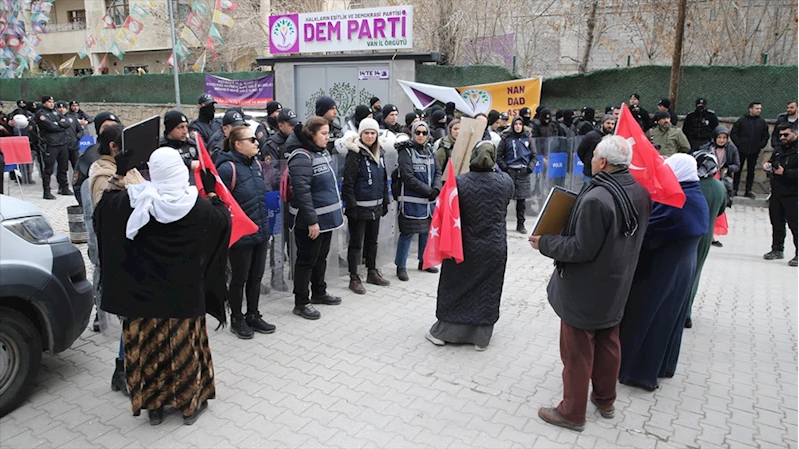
[(241, 223), (445, 240), (647, 166)]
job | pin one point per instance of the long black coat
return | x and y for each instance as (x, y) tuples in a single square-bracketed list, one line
[(599, 261), (469, 292), (169, 270)]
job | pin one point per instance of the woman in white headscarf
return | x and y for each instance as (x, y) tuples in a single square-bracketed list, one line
[(161, 246), (654, 317)]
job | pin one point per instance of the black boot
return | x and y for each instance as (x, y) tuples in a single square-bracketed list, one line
[(429, 270), (156, 416), (240, 327), (258, 324), (119, 379), (96, 323), (47, 195), (64, 190)]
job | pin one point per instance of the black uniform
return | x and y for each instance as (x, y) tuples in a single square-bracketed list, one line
[(783, 202), (206, 128), (641, 116), (81, 173), (266, 129), (188, 151), (74, 133), (698, 127), (54, 131)]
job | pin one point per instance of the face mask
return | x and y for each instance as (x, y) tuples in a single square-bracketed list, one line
[(207, 111), (525, 120)]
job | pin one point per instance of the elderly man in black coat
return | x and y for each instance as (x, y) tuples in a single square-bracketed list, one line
[(595, 255)]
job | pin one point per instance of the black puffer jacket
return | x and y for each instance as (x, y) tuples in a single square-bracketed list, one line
[(53, 127), (301, 174), (750, 134), (249, 191), (85, 161)]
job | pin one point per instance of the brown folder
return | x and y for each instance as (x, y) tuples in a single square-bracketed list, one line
[(555, 212)]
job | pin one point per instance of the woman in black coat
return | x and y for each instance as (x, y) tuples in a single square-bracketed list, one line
[(242, 174), (365, 192), (468, 293), (161, 249), (420, 178)]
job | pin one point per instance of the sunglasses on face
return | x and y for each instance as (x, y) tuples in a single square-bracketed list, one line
[(784, 135), (421, 133), (251, 139)]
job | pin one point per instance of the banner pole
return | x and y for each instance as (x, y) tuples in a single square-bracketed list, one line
[(174, 53)]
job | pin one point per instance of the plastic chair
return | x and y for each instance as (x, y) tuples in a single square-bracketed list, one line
[(12, 168)]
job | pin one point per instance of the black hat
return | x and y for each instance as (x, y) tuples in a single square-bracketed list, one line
[(103, 117), (273, 106), (46, 98), (172, 119), (636, 96), (493, 116), (666, 103), (324, 104), (701, 101), (361, 112), (504, 116), (61, 104), (545, 113), (437, 116), (205, 100), (233, 118), (21, 103), (388, 109), (287, 116), (609, 109), (660, 115), (372, 101), (450, 107), (71, 102), (524, 111), (240, 111), (410, 117)]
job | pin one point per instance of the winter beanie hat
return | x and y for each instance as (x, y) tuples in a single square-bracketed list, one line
[(368, 124), (324, 104)]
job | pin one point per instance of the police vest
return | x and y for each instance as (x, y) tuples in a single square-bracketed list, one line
[(324, 192), (414, 205), (517, 152), (369, 185)]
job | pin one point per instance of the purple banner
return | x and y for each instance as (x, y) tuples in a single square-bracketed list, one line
[(227, 92)]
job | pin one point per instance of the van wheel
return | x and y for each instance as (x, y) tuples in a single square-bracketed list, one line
[(20, 358)]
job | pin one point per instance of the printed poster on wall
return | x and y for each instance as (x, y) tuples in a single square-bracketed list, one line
[(227, 92), (388, 28)]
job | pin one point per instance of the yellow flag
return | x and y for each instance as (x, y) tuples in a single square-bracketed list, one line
[(199, 66), (67, 64), (188, 36), (222, 18)]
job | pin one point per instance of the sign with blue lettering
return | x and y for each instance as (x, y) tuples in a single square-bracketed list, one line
[(85, 142), (273, 212), (578, 165), (539, 166), (558, 163)]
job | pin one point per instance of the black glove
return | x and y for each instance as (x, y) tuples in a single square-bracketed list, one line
[(209, 181), (433, 194), (123, 163), (385, 209), (529, 169)]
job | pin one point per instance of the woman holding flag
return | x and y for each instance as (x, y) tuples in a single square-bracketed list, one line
[(469, 292)]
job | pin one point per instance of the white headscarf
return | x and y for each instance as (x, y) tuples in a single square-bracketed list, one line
[(684, 167), (167, 196)]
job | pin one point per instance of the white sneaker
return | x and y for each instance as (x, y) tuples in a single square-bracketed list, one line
[(434, 340), (480, 348)]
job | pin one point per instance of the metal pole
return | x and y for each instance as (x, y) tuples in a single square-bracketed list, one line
[(174, 53)]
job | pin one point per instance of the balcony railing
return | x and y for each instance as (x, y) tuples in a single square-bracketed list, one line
[(69, 26)]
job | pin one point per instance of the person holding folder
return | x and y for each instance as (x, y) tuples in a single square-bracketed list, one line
[(595, 258)]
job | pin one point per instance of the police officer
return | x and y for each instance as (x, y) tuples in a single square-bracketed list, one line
[(74, 133), (421, 183), (230, 120), (102, 121), (54, 129), (699, 125), (176, 135), (268, 126), (83, 118), (205, 124), (316, 208)]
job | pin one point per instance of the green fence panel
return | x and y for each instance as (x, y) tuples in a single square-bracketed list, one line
[(457, 76), (150, 88)]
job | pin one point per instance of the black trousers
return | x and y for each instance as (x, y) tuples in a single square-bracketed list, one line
[(782, 210), (750, 160), (521, 205), (60, 156), (247, 266), (363, 235), (74, 155), (310, 266)]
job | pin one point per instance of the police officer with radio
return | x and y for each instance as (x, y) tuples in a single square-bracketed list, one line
[(74, 133), (54, 129), (176, 135)]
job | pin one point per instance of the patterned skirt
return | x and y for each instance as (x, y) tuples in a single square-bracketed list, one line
[(168, 362)]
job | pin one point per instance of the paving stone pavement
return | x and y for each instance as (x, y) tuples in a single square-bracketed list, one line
[(364, 376)]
